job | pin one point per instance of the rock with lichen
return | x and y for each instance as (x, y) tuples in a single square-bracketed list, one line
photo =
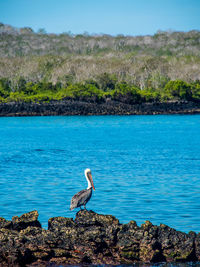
[(176, 246), (197, 246), (27, 219), (91, 239)]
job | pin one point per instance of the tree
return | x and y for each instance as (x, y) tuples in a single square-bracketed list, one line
[(26, 30), (41, 31), (107, 81), (21, 85), (5, 85)]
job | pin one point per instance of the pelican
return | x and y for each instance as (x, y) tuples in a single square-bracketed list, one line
[(82, 197)]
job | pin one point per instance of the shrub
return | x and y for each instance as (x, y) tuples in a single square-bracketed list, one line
[(127, 94), (16, 97), (179, 89), (86, 92), (150, 95), (196, 90), (91, 91)]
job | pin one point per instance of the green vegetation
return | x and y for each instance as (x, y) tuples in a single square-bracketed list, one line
[(131, 69), (108, 87)]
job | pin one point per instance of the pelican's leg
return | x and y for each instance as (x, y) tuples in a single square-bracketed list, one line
[(85, 207)]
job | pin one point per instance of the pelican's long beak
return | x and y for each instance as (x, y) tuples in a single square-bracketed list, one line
[(91, 180)]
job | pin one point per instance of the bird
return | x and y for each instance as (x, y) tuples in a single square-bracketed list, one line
[(82, 197)]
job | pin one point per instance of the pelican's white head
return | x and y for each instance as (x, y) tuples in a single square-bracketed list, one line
[(88, 176)]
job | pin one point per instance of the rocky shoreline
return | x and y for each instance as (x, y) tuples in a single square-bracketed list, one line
[(91, 239), (70, 107)]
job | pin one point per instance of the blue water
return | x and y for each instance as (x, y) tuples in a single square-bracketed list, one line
[(144, 167)]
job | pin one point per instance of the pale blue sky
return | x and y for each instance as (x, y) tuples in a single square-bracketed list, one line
[(129, 17)]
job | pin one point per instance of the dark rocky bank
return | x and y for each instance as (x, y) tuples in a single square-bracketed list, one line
[(91, 239), (107, 108)]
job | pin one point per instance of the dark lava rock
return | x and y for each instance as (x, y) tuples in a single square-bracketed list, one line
[(58, 223), (197, 246), (27, 219), (91, 239), (176, 246), (110, 107), (5, 224), (89, 218)]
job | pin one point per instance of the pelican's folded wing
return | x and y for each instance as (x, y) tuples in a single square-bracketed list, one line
[(79, 199)]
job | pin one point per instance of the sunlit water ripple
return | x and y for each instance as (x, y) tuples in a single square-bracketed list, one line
[(144, 167)]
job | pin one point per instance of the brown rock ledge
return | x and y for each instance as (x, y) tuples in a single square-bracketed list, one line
[(91, 239)]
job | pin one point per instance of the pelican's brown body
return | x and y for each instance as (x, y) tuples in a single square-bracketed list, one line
[(82, 197)]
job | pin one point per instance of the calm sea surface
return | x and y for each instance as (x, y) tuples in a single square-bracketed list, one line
[(144, 167)]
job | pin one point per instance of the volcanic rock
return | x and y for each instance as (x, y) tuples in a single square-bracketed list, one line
[(91, 239)]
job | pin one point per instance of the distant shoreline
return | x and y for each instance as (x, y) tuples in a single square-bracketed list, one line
[(65, 108)]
